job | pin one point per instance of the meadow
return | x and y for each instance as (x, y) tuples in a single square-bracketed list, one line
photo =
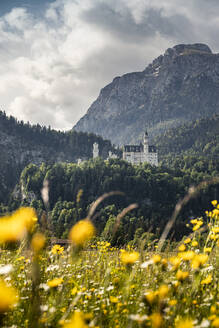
[(89, 283)]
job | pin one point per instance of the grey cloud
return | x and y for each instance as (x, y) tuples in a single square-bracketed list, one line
[(124, 26), (54, 65)]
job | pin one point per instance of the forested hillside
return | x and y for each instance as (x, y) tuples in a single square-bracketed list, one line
[(200, 137), (155, 190), (21, 144)]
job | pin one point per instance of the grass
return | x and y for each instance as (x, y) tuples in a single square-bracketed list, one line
[(96, 285)]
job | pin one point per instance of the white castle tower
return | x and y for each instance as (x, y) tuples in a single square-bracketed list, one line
[(145, 143), (95, 150)]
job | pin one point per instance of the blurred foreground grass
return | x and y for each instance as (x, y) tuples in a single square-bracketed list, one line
[(95, 285)]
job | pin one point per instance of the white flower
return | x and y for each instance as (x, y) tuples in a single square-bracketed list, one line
[(6, 269), (144, 265)]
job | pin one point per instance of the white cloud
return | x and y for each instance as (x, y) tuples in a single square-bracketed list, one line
[(53, 65)]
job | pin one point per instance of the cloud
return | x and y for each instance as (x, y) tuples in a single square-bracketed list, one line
[(53, 64)]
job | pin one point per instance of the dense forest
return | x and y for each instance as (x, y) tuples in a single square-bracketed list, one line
[(156, 190), (22, 143), (200, 137)]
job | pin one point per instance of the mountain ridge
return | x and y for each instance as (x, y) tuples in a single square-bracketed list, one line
[(179, 86)]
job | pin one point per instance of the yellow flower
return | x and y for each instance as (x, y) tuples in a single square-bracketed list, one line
[(113, 299), (214, 202), (76, 321), (181, 275), (187, 241), (186, 256), (197, 226), (156, 258), (55, 282), (207, 280), (8, 297), (57, 249), (199, 260), (175, 261), (156, 320), (129, 257), (13, 228), (150, 297), (181, 248), (194, 243), (172, 302), (215, 212), (215, 322), (163, 291), (38, 242), (207, 250), (185, 323), (82, 232), (74, 291)]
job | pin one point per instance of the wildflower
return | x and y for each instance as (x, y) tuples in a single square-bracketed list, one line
[(13, 228), (185, 323), (181, 275), (214, 202), (38, 242), (207, 250), (181, 248), (215, 212), (187, 241), (129, 257), (172, 302), (8, 297), (57, 249), (197, 226), (82, 232), (55, 282), (215, 322), (175, 261), (156, 258), (163, 291), (207, 280), (113, 299), (76, 321), (199, 260), (156, 320), (74, 291), (194, 243), (186, 256), (150, 297)]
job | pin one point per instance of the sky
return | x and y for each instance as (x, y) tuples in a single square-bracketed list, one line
[(56, 55)]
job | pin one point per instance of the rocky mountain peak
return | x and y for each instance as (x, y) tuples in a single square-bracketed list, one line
[(182, 49), (178, 86)]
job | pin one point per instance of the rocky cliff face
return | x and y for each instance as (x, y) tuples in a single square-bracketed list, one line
[(179, 86)]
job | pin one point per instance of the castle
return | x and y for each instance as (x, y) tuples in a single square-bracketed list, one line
[(134, 154), (137, 154)]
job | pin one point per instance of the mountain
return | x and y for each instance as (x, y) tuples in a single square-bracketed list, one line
[(179, 86), (21, 144)]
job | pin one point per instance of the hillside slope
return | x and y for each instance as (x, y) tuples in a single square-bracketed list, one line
[(181, 85), (200, 137), (21, 144)]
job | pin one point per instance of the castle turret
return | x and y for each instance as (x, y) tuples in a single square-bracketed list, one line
[(145, 142), (95, 150)]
